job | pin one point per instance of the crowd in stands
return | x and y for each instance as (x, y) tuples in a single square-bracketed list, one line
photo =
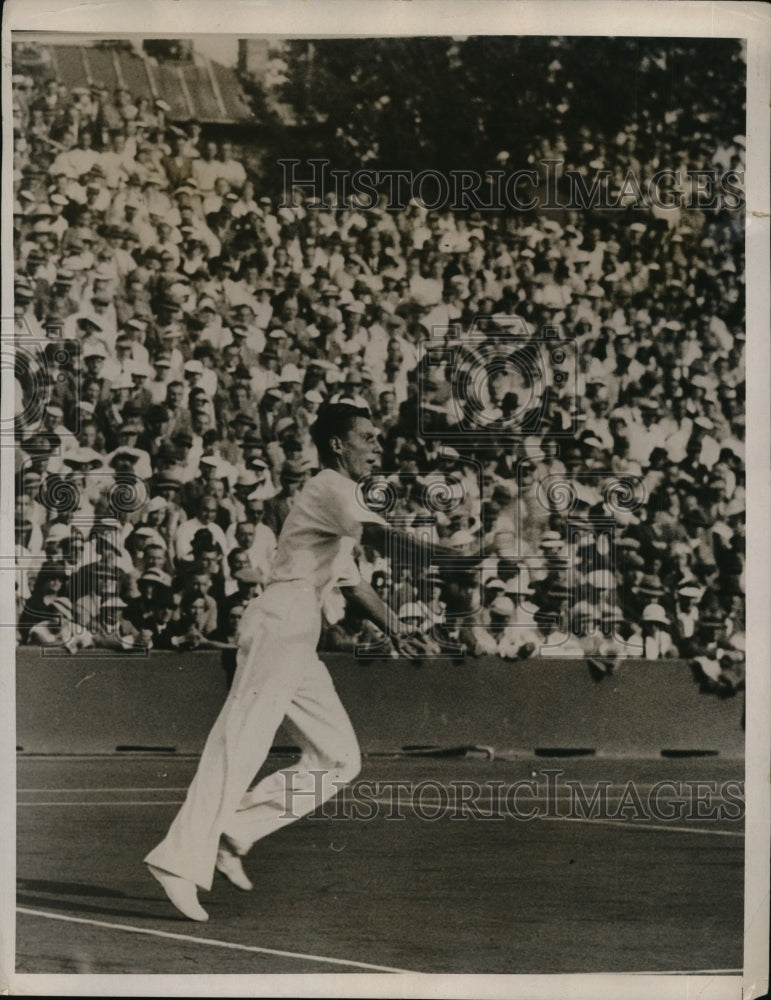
[(182, 326)]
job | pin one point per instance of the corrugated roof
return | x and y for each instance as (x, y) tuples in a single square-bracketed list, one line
[(200, 88)]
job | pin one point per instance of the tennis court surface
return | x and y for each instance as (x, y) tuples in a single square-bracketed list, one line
[(453, 872)]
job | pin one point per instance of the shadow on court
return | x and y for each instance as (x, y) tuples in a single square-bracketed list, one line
[(67, 889)]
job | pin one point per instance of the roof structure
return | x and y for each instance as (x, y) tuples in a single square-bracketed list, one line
[(196, 88)]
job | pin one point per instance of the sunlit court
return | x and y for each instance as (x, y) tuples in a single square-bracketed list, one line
[(403, 875)]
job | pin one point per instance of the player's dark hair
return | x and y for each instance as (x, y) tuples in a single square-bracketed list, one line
[(333, 420)]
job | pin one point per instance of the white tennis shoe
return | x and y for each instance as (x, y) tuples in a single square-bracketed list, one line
[(181, 892), (229, 865)]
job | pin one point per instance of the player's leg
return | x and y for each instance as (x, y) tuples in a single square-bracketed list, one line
[(330, 758), (235, 750)]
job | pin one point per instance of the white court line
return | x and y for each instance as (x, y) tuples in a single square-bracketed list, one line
[(191, 939), (108, 802), (64, 791), (377, 800), (230, 945), (346, 792), (627, 824), (631, 824), (474, 813), (693, 972)]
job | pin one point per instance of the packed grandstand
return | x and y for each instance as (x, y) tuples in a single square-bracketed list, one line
[(561, 394)]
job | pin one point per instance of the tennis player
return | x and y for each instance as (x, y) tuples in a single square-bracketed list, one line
[(279, 677)]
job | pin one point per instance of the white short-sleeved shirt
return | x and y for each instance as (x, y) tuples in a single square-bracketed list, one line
[(318, 537)]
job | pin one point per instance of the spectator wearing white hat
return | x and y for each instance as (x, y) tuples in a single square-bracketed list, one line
[(100, 310), (140, 396), (60, 628), (209, 324), (656, 632), (210, 469), (52, 422), (98, 197), (158, 383), (151, 583), (511, 641), (290, 380), (97, 384), (110, 628), (244, 482), (412, 614), (251, 314), (155, 549), (643, 288), (686, 613), (193, 377), (310, 402), (350, 389), (350, 343)]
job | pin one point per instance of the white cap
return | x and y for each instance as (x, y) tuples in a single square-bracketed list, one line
[(94, 349), (503, 606), (655, 613), (411, 610), (290, 373)]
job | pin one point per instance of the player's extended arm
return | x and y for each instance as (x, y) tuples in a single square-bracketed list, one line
[(380, 537), (375, 608)]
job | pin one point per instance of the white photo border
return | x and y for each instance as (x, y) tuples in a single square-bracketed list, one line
[(336, 18)]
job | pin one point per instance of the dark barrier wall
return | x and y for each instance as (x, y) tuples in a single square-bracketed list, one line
[(166, 700)]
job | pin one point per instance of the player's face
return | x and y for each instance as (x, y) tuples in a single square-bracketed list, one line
[(360, 449)]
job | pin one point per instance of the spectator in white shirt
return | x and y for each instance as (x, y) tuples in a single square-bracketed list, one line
[(257, 539), (657, 640), (229, 168), (183, 538), (207, 168)]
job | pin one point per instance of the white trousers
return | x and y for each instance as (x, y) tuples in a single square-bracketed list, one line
[(278, 676)]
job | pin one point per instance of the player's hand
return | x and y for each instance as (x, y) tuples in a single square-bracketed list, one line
[(411, 646), (192, 639)]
